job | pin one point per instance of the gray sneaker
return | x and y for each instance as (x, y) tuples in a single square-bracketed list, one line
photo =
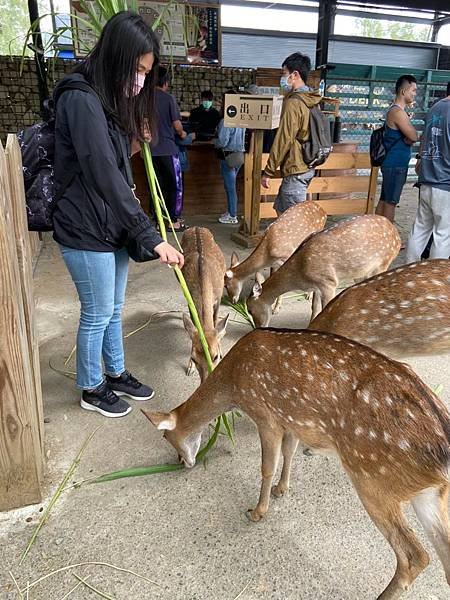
[(228, 220), (104, 401), (127, 385)]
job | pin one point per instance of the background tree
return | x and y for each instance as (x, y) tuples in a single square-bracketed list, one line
[(394, 30), (14, 24)]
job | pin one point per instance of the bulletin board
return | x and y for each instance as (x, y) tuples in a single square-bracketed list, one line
[(190, 33)]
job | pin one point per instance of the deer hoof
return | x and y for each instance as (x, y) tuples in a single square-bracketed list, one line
[(253, 515), (278, 492)]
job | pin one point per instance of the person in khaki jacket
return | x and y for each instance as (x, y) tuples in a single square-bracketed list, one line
[(286, 151)]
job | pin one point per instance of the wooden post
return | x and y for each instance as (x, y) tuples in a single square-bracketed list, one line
[(25, 258), (372, 190), (256, 183), (20, 447), (248, 235)]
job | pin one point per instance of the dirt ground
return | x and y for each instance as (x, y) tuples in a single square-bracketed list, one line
[(187, 531)]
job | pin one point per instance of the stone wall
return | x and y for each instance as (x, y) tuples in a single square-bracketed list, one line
[(19, 96)]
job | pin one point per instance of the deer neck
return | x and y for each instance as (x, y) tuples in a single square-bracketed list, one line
[(277, 284), (252, 263), (208, 401)]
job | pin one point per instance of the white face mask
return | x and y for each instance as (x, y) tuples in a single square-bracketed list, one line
[(138, 83), (284, 83)]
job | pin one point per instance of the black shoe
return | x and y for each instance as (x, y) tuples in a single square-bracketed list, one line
[(104, 401), (127, 385)]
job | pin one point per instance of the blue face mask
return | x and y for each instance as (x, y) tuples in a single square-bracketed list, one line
[(284, 85), (207, 104)]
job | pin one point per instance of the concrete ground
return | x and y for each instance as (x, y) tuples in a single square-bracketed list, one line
[(187, 531)]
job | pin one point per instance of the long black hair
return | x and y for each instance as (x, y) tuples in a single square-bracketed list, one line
[(111, 69)]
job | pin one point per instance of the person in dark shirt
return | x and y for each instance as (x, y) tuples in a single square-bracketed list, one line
[(97, 212), (165, 150), (205, 118)]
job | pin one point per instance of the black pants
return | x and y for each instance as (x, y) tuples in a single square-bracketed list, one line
[(165, 169)]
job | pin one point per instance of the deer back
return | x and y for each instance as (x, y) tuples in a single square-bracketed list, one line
[(386, 426), (402, 312), (203, 269), (335, 394), (292, 227), (353, 248)]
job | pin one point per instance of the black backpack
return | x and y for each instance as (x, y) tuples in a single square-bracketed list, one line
[(37, 145), (317, 149), (377, 149)]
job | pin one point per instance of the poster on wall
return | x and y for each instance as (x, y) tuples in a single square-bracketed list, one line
[(189, 33)]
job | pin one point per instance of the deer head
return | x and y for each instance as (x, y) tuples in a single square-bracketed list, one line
[(233, 284), (186, 445), (213, 338)]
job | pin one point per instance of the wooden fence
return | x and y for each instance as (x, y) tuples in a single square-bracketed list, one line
[(21, 418)]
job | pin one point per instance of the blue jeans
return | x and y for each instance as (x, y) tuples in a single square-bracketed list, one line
[(229, 182), (101, 281)]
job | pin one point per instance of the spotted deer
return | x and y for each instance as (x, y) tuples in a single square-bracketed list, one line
[(279, 241), (357, 248), (403, 312), (204, 269), (390, 432)]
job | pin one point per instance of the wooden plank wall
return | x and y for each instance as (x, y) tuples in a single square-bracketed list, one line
[(21, 423)]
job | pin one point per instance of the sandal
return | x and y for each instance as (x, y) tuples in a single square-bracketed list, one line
[(181, 227)]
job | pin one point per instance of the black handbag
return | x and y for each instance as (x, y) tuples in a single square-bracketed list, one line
[(136, 251)]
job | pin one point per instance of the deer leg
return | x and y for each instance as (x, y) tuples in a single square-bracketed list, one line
[(431, 507), (328, 294), (276, 307), (316, 303), (387, 515), (270, 451), (288, 448)]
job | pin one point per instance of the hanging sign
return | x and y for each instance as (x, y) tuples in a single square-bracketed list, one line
[(189, 33), (254, 112)]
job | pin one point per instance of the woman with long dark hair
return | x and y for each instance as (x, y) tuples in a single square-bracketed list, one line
[(103, 110)]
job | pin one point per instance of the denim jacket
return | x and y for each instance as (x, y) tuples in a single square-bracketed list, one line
[(230, 139)]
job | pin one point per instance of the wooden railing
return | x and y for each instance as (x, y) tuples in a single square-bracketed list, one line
[(21, 418), (341, 184)]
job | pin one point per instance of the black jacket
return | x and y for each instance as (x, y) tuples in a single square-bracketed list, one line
[(98, 210)]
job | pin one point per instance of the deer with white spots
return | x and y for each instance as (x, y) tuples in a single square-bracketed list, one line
[(390, 432), (279, 241), (403, 312), (204, 269), (354, 249)]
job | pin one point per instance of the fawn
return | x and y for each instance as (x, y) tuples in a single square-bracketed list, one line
[(279, 241), (390, 432), (204, 269), (403, 312), (356, 248)]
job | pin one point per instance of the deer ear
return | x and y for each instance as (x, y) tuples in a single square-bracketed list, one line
[(161, 420), (259, 278), (221, 326), (188, 325), (234, 260)]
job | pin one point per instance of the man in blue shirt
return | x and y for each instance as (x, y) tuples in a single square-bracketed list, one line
[(165, 150), (433, 213)]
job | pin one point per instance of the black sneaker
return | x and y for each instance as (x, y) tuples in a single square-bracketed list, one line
[(104, 401), (127, 385)]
